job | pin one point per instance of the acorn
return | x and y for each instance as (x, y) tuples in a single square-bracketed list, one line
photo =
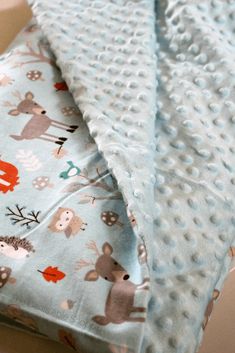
[(67, 304)]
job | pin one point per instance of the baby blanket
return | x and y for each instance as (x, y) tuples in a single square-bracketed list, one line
[(117, 205)]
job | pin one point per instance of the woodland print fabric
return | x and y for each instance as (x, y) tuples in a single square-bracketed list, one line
[(64, 221), (116, 173)]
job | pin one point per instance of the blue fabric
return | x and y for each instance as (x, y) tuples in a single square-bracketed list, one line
[(152, 194)]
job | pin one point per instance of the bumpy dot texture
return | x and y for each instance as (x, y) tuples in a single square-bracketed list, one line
[(105, 51), (195, 159)]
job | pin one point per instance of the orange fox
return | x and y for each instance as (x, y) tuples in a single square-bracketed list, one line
[(8, 176)]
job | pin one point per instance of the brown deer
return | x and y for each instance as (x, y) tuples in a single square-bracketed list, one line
[(37, 126), (120, 301)]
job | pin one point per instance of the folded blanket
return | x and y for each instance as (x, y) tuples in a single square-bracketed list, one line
[(117, 207)]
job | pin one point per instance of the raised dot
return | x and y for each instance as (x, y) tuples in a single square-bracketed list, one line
[(182, 278), (161, 281), (200, 82), (215, 219), (188, 237), (177, 262), (174, 295), (186, 314), (210, 200), (173, 342), (196, 139), (215, 108), (197, 221), (195, 292), (193, 171), (222, 237), (168, 240), (203, 153), (219, 184), (212, 167), (180, 145), (173, 203), (224, 91), (166, 190), (179, 220), (164, 323), (186, 188), (196, 258)]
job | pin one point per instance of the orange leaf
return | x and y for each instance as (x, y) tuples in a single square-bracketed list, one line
[(52, 274), (67, 339)]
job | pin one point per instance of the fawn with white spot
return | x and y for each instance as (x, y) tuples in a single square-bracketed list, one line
[(120, 301), (37, 126)]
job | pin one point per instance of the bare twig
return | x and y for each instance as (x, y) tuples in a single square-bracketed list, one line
[(8, 104), (83, 263), (90, 182), (17, 216), (18, 95), (117, 196), (40, 56), (92, 246)]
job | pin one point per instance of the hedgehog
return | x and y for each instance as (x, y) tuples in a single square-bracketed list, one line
[(15, 247)]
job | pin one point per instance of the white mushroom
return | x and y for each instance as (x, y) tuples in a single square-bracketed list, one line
[(69, 111), (41, 183), (34, 75)]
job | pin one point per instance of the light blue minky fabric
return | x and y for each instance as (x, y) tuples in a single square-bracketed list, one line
[(171, 150)]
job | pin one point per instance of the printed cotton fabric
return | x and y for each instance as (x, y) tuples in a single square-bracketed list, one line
[(117, 172)]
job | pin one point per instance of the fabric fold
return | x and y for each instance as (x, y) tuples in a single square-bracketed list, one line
[(106, 53)]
